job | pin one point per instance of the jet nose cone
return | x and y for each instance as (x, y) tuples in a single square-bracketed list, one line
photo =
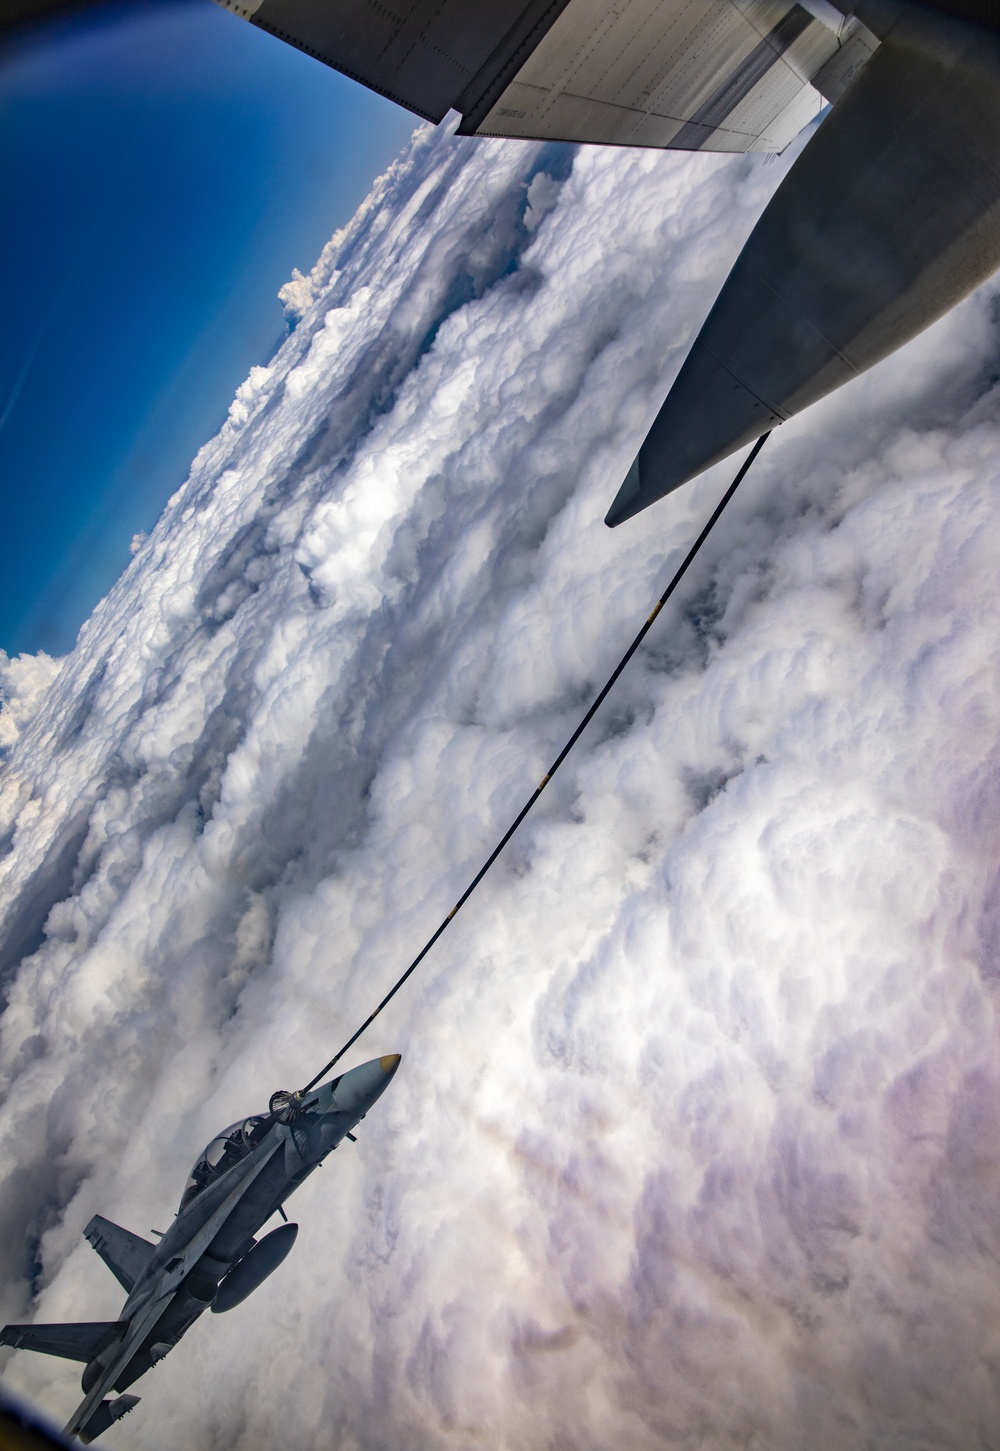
[(358, 1089)]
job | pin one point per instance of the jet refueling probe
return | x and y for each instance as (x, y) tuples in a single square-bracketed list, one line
[(209, 1258)]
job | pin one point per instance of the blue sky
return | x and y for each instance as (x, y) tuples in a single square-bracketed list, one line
[(165, 166)]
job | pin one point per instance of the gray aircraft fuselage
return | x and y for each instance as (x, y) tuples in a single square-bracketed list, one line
[(209, 1257)]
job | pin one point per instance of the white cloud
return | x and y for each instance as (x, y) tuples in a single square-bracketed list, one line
[(24, 681), (695, 1141)]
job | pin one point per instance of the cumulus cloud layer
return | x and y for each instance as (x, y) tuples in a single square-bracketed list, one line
[(696, 1138)]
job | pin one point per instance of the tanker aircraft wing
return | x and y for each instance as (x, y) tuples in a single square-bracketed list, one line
[(692, 75), (888, 218)]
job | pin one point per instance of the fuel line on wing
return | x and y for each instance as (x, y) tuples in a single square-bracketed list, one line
[(595, 706)]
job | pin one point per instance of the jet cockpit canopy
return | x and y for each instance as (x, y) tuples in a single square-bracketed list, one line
[(225, 1150)]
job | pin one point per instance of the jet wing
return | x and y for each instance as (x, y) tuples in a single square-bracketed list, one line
[(72, 1342), (691, 75)]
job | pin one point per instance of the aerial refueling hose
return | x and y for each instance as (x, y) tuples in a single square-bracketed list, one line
[(584, 723)]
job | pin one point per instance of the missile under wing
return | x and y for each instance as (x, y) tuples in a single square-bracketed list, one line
[(890, 215)]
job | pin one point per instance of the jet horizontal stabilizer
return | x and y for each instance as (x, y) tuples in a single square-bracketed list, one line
[(106, 1414), (73, 1342)]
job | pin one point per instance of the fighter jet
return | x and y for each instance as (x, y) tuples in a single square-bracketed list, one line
[(209, 1258)]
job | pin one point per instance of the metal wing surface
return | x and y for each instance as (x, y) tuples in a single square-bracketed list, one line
[(425, 54), (691, 75)]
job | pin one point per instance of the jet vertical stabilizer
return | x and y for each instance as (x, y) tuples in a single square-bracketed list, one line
[(125, 1254)]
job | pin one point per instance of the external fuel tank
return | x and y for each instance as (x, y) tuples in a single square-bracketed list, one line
[(888, 218)]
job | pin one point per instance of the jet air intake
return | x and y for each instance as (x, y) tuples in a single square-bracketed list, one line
[(888, 218)]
